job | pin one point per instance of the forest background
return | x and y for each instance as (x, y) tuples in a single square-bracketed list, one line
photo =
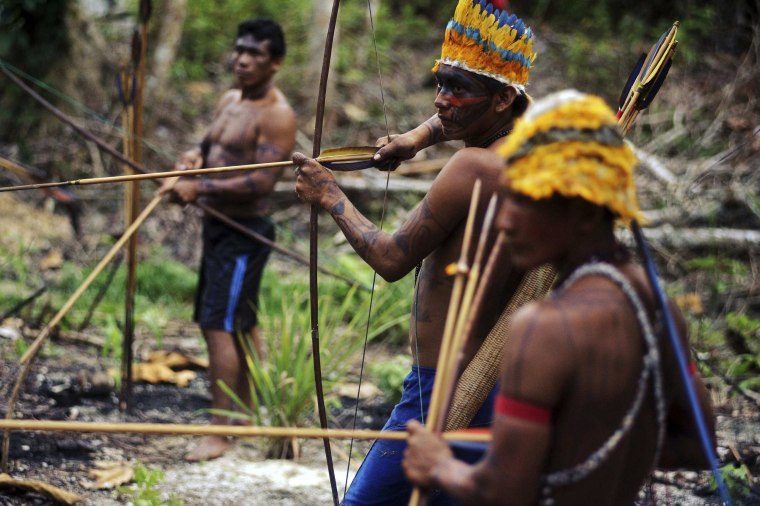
[(700, 184)]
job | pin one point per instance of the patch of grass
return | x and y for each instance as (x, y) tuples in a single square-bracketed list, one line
[(14, 264), (737, 480), (704, 333), (283, 381), (143, 492), (389, 375), (164, 287), (724, 273)]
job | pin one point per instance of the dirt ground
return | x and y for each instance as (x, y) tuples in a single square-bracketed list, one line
[(66, 386)]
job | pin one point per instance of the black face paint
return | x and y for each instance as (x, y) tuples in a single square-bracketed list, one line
[(461, 98), (249, 44)]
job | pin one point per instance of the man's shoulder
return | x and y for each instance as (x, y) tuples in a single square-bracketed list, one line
[(477, 157), (469, 164), (229, 96), (542, 317), (277, 105)]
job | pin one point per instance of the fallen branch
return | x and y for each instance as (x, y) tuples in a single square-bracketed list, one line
[(655, 167), (693, 238)]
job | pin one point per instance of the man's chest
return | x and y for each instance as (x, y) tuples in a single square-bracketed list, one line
[(236, 125)]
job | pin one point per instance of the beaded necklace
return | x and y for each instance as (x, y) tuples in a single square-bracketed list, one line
[(494, 137)]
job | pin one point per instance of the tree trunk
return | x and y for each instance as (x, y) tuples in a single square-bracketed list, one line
[(167, 44), (320, 25)]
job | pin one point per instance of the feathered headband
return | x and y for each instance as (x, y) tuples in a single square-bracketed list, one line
[(489, 42), (568, 143)]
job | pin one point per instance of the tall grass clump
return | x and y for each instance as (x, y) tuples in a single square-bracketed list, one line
[(282, 382)]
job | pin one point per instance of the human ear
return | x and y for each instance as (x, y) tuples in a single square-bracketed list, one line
[(504, 98)]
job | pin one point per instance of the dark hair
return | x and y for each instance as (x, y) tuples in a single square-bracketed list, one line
[(520, 104), (265, 29)]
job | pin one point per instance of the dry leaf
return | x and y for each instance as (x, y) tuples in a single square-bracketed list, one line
[(176, 360), (158, 373), (166, 367), (110, 475), (152, 373), (690, 302), (40, 487), (53, 260), (183, 378)]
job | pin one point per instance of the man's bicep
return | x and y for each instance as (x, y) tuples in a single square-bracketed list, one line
[(420, 234), (277, 138), (538, 357), (513, 464), (452, 191)]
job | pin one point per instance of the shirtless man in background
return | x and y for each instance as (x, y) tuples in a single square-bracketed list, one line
[(252, 123)]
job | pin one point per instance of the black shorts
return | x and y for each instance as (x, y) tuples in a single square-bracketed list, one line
[(230, 274)]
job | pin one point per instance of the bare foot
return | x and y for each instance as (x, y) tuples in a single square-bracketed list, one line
[(208, 448)]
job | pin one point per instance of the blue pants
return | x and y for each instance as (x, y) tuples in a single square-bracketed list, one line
[(380, 479)]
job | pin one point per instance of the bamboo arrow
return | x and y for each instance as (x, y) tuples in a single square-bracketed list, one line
[(225, 430), (461, 337), (646, 78), (440, 384), (189, 172)]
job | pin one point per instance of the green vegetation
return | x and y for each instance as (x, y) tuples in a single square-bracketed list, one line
[(165, 290), (738, 481), (282, 384), (143, 492), (389, 375)]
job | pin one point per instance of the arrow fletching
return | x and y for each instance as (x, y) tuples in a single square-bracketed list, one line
[(632, 79), (647, 78), (649, 96)]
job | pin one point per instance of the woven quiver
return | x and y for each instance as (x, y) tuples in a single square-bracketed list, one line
[(480, 375)]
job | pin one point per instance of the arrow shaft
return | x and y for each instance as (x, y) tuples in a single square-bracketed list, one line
[(223, 430), (184, 173)]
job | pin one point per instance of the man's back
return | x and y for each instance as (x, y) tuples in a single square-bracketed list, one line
[(598, 352)]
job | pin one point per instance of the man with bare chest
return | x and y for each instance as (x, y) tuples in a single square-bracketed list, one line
[(252, 124), (480, 93), (590, 400)]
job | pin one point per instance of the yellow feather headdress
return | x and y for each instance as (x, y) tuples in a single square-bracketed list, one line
[(568, 143), (489, 42)]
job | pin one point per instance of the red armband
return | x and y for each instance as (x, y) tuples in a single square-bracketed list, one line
[(524, 411), (692, 369)]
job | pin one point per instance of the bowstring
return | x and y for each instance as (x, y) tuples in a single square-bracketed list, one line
[(382, 222)]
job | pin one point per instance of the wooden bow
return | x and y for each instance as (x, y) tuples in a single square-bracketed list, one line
[(313, 251)]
